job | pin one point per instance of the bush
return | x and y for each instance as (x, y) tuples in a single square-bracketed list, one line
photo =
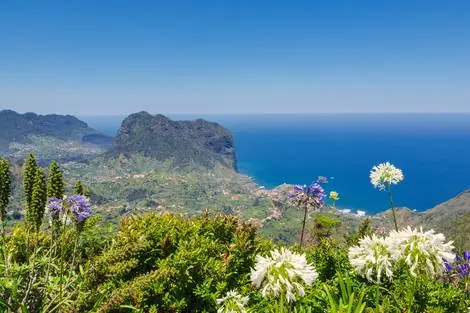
[(166, 262)]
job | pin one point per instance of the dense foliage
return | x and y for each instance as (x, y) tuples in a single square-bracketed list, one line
[(165, 262)]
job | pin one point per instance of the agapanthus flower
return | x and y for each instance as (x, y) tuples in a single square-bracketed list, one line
[(317, 191), (461, 266), (79, 207), (233, 302), (372, 259), (55, 207), (385, 174), (334, 196), (464, 266), (463, 269), (300, 197), (423, 251), (311, 196), (282, 274)]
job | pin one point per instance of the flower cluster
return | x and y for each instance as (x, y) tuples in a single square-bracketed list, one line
[(372, 259), (283, 273), (55, 207), (76, 208), (424, 252), (385, 174), (461, 265), (312, 196), (233, 302), (80, 207)]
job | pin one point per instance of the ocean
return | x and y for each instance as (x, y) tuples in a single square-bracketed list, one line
[(433, 150)]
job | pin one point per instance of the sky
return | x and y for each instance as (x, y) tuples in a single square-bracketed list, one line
[(100, 57)]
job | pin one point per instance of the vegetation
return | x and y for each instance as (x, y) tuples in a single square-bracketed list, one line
[(48, 136), (157, 164), (55, 186), (5, 187), (187, 143), (30, 169), (166, 262), (78, 188), (37, 206)]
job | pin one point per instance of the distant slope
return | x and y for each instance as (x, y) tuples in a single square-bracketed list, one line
[(451, 218), (196, 143), (46, 135)]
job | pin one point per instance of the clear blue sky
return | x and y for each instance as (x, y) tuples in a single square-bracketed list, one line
[(116, 57)]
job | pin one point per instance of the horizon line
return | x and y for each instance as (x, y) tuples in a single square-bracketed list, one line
[(248, 113)]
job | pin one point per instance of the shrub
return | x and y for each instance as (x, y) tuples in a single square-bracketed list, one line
[(166, 262)]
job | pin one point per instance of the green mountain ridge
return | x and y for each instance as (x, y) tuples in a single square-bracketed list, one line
[(49, 136)]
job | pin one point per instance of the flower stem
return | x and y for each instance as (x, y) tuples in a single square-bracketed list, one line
[(61, 267), (303, 227), (74, 255), (393, 207)]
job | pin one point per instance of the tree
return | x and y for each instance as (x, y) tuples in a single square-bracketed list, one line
[(38, 200), (55, 187), (5, 188), (78, 189), (30, 169)]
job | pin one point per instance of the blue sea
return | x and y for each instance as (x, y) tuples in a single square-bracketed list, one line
[(433, 150)]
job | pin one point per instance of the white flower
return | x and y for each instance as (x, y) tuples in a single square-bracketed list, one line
[(372, 259), (233, 302), (422, 251), (385, 174), (283, 272)]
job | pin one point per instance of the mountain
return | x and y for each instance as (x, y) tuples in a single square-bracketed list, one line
[(196, 143), (48, 136)]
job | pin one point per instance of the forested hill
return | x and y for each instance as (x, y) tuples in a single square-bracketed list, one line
[(46, 134), (196, 143)]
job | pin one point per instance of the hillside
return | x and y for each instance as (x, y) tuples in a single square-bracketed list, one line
[(48, 136), (451, 217), (196, 143)]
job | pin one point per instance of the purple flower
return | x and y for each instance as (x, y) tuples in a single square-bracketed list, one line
[(461, 265), (463, 269), (317, 191), (311, 196), (55, 207), (448, 266), (80, 207), (322, 180)]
